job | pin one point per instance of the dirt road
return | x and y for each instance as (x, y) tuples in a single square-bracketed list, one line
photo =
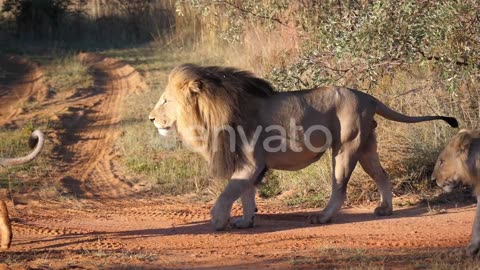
[(21, 81), (110, 226), (172, 233), (91, 126)]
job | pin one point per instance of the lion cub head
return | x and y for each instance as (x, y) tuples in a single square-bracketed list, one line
[(458, 162)]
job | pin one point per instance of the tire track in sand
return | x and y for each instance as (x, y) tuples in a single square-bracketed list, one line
[(93, 125), (20, 80)]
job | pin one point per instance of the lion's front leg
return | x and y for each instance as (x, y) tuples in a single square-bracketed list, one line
[(220, 213), (474, 246), (241, 184), (223, 206), (248, 205)]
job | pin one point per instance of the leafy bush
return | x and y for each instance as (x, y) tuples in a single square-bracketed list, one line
[(365, 38)]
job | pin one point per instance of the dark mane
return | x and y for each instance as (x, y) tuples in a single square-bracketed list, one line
[(215, 98), (232, 77)]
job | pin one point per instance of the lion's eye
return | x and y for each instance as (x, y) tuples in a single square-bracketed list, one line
[(441, 162), (164, 101)]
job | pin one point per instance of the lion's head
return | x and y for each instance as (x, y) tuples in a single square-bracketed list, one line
[(206, 105), (456, 163)]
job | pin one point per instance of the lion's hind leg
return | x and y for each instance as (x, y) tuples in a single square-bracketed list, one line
[(371, 165), (474, 246), (343, 164)]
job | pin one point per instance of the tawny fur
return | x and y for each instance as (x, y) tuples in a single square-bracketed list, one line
[(5, 227), (459, 162), (223, 101), (36, 140), (200, 101)]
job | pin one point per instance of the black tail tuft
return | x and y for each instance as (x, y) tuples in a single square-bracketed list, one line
[(451, 121), (32, 141)]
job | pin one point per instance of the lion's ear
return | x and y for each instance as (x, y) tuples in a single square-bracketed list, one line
[(463, 141), (195, 86)]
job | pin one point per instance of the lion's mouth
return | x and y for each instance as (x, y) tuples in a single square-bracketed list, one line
[(164, 131), (448, 185)]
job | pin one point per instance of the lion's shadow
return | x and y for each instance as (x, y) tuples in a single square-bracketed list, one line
[(267, 223)]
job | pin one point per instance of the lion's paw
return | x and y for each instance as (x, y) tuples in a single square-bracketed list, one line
[(220, 218), (220, 224), (319, 219), (383, 211), (473, 248), (242, 223)]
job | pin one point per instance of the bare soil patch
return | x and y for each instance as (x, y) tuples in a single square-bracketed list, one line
[(21, 81)]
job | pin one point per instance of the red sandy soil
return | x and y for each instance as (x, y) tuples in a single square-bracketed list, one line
[(23, 80), (114, 226)]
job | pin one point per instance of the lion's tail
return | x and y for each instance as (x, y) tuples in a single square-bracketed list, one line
[(37, 139), (385, 111)]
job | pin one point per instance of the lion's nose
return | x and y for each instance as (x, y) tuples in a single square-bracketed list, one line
[(151, 118)]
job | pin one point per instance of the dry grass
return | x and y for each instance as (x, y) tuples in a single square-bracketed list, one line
[(28, 177), (324, 258), (358, 258), (262, 50), (65, 72)]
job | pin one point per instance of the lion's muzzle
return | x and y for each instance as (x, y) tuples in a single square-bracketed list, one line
[(447, 185), (163, 130)]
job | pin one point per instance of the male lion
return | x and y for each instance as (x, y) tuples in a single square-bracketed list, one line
[(36, 140), (243, 128), (460, 162)]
